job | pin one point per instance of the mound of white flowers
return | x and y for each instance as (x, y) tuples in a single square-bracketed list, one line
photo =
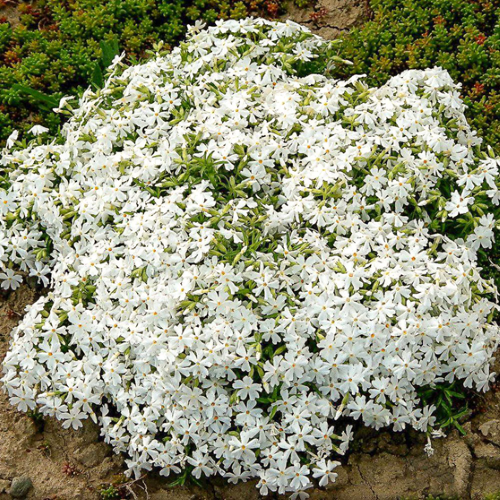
[(239, 254)]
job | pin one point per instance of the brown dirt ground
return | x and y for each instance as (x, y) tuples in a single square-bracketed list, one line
[(328, 18), (10, 12), (73, 465)]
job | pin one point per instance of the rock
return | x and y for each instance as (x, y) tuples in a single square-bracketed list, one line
[(383, 474), (341, 480), (110, 465), (26, 427), (485, 482), (491, 431), (335, 16), (247, 490), (88, 433), (301, 16), (173, 494), (92, 455), (20, 486), (4, 485), (460, 459), (471, 438), (392, 444), (489, 453)]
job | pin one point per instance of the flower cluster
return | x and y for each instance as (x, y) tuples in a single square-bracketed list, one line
[(240, 252)]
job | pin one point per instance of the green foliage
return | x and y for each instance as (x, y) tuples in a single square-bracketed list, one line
[(462, 36), (120, 487), (37, 419), (109, 492), (109, 51), (451, 407), (185, 477), (117, 489), (59, 47)]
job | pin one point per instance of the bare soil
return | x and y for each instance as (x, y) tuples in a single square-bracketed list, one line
[(328, 18), (10, 12)]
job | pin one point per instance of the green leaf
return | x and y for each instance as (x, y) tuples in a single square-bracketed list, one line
[(41, 97), (460, 428), (97, 77), (273, 412), (109, 51)]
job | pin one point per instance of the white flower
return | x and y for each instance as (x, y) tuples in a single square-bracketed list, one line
[(324, 471), (242, 447), (10, 279), (11, 140), (458, 204), (247, 389), (238, 256), (38, 130)]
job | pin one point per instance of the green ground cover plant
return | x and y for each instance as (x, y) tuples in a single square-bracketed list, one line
[(53, 46), (462, 36)]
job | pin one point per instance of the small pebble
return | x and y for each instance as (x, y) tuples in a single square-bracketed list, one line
[(20, 486)]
